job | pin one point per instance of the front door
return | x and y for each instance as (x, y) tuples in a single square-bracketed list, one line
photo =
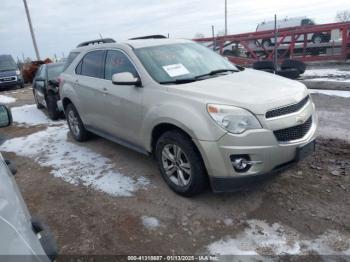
[(123, 104)]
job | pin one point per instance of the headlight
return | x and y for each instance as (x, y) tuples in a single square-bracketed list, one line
[(234, 119), (18, 72)]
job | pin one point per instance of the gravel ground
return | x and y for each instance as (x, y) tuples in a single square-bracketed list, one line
[(304, 210)]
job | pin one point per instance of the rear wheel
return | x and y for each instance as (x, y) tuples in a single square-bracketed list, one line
[(75, 124), (180, 164), (38, 105)]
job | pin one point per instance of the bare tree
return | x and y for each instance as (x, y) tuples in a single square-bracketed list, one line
[(343, 16), (199, 35)]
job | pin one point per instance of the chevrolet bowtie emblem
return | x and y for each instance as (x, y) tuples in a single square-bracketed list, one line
[(300, 119)]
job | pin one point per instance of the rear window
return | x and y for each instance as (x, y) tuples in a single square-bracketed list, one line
[(53, 71), (70, 59)]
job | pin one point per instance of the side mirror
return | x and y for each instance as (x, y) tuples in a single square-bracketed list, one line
[(126, 79), (5, 116)]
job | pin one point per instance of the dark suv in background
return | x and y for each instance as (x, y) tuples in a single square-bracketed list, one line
[(10, 75)]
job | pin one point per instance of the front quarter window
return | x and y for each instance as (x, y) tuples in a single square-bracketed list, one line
[(166, 63)]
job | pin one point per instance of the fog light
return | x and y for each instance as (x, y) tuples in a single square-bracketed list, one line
[(242, 163)]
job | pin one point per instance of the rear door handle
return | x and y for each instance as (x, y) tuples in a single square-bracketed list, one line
[(105, 90), (76, 82)]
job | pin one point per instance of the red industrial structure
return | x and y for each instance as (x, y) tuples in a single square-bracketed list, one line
[(292, 43)]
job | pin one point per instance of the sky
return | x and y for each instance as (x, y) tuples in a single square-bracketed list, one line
[(60, 25)]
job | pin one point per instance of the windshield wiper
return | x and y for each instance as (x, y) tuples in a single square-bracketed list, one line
[(218, 71), (179, 81), (194, 79)]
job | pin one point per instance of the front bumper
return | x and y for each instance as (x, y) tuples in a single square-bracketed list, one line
[(262, 148), (17, 82)]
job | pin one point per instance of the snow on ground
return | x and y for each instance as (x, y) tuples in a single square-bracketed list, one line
[(74, 164), (150, 223), (7, 99), (261, 238), (228, 222), (327, 75), (330, 92), (29, 115), (325, 79), (333, 124)]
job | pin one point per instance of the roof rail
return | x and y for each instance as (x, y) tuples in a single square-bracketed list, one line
[(149, 37), (97, 41)]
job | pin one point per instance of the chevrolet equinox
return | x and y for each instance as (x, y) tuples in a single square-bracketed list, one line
[(204, 119)]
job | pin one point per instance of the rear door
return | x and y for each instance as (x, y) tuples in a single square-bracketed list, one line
[(39, 84), (89, 87)]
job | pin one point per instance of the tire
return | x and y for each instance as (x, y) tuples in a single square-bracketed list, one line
[(38, 105), (268, 70), (266, 43), (317, 38), (291, 73), (188, 163), (288, 64), (75, 124), (21, 86), (227, 53), (264, 65), (52, 108)]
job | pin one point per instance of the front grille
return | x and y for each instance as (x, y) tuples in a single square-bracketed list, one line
[(287, 109), (8, 79), (293, 133)]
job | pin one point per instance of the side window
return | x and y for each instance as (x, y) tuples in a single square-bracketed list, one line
[(78, 68), (118, 62), (93, 64)]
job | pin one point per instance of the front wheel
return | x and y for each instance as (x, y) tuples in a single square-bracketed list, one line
[(180, 164), (75, 124)]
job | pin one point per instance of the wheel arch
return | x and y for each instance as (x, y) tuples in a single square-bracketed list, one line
[(65, 102), (160, 129)]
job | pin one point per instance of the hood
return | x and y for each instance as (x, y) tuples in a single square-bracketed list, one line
[(8, 73), (251, 89)]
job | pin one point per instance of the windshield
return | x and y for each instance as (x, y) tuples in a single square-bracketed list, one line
[(168, 63), (8, 65), (53, 71)]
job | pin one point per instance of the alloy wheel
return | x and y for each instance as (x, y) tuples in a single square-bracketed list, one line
[(73, 123), (176, 165)]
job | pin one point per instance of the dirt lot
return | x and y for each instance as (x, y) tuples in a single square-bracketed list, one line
[(301, 211)]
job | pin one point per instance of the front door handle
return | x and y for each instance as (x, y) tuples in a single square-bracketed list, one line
[(105, 90)]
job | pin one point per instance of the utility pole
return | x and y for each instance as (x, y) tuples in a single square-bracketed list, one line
[(214, 38), (275, 57), (31, 30), (225, 17)]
